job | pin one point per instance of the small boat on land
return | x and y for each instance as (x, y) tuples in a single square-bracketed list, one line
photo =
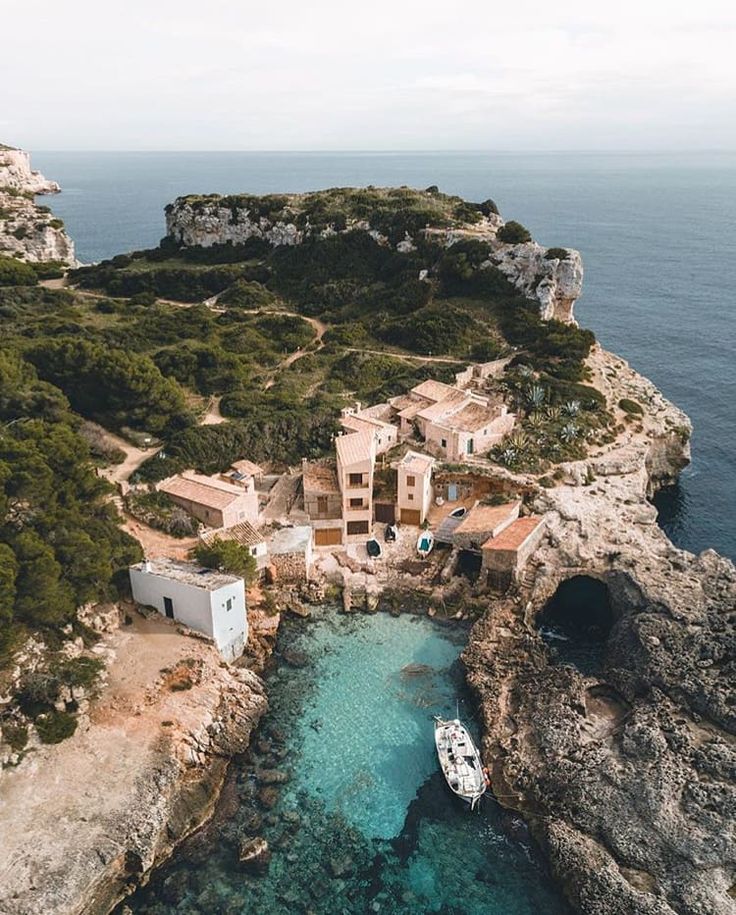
[(425, 544), (458, 512), (460, 760), (374, 548)]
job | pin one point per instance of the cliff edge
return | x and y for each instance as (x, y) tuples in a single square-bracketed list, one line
[(29, 231), (626, 768)]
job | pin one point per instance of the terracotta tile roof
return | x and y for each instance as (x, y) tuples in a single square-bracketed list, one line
[(472, 416), (434, 390), (243, 532), (437, 411), (319, 478), (414, 462), (483, 518), (515, 534), (248, 468), (202, 490), (412, 408), (354, 448)]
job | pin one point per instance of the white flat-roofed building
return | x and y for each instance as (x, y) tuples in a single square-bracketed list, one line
[(209, 601)]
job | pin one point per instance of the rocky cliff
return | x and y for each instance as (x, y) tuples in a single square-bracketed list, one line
[(628, 771), (83, 821), (29, 231), (553, 276)]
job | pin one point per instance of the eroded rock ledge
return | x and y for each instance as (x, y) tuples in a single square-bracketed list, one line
[(83, 821), (629, 775)]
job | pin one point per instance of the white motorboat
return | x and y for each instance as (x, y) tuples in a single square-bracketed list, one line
[(425, 544), (460, 760)]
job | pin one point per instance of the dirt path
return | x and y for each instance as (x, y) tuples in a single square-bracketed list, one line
[(134, 457), (212, 416)]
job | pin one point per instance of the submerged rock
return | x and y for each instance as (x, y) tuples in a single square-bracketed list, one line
[(254, 855)]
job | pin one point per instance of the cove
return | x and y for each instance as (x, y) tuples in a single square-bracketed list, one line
[(342, 781)]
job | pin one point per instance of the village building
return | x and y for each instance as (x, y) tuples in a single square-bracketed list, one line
[(356, 459), (483, 522), (454, 423), (323, 502), (414, 487), (290, 554), (373, 419), (211, 500), (246, 535), (506, 554), (206, 600), (248, 469)]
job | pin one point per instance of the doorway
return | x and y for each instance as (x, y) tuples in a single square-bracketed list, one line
[(169, 607)]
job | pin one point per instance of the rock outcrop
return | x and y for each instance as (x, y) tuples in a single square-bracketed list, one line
[(84, 821), (627, 774), (551, 276), (29, 231)]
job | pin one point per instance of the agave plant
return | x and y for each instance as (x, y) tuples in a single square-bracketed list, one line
[(535, 396), (508, 457), (571, 408), (553, 413), (569, 432), (517, 440), (525, 371), (536, 421)]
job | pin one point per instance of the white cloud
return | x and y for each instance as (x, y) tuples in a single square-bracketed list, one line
[(165, 74)]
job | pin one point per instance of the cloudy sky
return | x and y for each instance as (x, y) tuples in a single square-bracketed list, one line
[(385, 74)]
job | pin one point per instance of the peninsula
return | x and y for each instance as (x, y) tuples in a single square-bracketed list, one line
[(274, 384)]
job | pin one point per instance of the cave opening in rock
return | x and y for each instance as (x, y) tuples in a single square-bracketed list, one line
[(576, 622)]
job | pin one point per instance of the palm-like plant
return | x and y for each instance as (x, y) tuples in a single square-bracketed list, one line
[(569, 432), (553, 413), (526, 372), (571, 408), (517, 440)]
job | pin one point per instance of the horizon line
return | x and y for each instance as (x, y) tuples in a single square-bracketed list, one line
[(412, 151)]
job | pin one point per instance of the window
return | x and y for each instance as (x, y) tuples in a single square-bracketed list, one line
[(322, 505), (410, 481), (357, 527), (229, 604), (410, 496), (355, 479), (254, 551), (443, 442), (356, 503)]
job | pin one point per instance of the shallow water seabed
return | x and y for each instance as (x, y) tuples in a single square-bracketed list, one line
[(364, 821)]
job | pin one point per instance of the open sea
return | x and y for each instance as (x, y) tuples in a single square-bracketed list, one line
[(657, 233)]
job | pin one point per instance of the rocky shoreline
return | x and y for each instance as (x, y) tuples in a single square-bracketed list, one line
[(627, 777)]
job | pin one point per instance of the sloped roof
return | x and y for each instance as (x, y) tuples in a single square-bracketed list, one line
[(434, 390), (248, 468), (202, 490), (354, 448), (473, 416), (243, 532), (414, 462), (515, 534), (483, 518), (318, 477)]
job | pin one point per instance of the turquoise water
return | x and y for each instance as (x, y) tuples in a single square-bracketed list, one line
[(656, 232), (365, 822)]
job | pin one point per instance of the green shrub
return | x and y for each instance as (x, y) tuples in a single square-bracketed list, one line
[(228, 556), (630, 406), (81, 671), (15, 273), (513, 233), (55, 726), (15, 734), (560, 254)]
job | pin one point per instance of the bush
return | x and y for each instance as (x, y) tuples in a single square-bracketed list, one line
[(630, 406), (15, 273), (81, 672), (246, 294), (157, 510), (560, 254), (15, 734), (513, 233), (228, 556), (55, 726)]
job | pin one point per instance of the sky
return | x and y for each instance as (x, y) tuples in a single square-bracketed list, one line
[(379, 75)]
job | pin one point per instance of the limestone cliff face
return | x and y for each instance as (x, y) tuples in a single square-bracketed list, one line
[(205, 221), (28, 231), (628, 775)]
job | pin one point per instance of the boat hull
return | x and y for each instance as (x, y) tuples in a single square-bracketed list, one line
[(459, 760)]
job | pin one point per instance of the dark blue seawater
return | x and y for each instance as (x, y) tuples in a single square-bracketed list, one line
[(657, 233), (364, 822)]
